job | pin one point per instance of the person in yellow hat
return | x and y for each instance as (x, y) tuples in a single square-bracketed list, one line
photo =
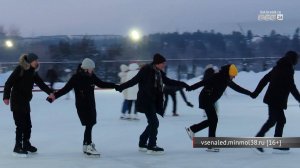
[(214, 88)]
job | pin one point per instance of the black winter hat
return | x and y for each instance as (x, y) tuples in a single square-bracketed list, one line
[(31, 57), (290, 58), (157, 59)]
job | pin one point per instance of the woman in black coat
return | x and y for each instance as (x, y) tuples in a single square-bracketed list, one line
[(18, 91), (150, 80), (214, 88), (281, 84), (83, 83)]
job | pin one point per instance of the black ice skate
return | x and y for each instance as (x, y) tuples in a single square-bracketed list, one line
[(281, 150), (28, 147), (155, 150), (19, 151)]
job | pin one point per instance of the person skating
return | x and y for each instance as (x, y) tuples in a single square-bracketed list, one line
[(83, 83), (122, 75), (213, 89), (209, 72), (18, 92), (171, 91), (150, 80), (131, 93), (281, 84)]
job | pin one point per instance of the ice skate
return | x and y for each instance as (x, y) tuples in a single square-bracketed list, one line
[(190, 133), (281, 150), (28, 147), (91, 151), (155, 150), (19, 151), (143, 148)]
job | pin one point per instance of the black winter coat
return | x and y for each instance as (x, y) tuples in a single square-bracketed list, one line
[(84, 85), (281, 84), (19, 85), (150, 97), (215, 86)]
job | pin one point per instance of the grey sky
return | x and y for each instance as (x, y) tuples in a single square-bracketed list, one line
[(70, 17)]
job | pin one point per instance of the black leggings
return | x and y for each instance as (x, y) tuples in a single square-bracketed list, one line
[(88, 135), (211, 122), (276, 117)]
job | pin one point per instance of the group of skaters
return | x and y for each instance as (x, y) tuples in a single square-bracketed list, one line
[(150, 80)]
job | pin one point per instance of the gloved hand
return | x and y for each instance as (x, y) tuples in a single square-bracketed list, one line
[(253, 95), (118, 88), (189, 104), (189, 89), (185, 85)]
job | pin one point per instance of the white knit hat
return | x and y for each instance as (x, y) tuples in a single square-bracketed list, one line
[(87, 64)]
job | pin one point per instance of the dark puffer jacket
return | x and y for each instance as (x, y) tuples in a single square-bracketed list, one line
[(281, 83), (150, 97), (84, 85), (19, 85), (215, 86)]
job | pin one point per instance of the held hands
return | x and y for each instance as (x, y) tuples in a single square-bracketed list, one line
[(118, 88), (51, 98), (253, 95), (189, 89), (6, 101)]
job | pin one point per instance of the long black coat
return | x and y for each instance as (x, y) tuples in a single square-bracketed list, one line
[(281, 84), (84, 85), (149, 97), (19, 85), (215, 86)]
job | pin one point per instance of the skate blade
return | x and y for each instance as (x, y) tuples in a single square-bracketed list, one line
[(143, 149), (92, 155), (277, 151), (212, 150), (149, 152), (19, 155)]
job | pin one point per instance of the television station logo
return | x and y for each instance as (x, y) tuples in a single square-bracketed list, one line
[(273, 15)]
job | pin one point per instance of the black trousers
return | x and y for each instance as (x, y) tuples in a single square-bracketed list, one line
[(150, 133), (211, 122), (276, 117), (173, 96), (23, 126), (88, 135)]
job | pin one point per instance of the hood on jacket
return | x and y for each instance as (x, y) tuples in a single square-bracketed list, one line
[(123, 68), (23, 63), (289, 59), (133, 67)]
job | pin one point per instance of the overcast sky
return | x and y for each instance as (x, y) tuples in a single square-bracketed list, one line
[(74, 17)]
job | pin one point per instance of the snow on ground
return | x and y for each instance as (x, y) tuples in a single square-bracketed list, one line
[(58, 134)]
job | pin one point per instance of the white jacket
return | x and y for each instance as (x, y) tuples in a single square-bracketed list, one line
[(122, 75), (131, 93)]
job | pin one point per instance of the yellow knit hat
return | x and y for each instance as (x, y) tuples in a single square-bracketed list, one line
[(233, 71)]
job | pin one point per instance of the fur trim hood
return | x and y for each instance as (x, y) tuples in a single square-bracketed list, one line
[(23, 63)]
